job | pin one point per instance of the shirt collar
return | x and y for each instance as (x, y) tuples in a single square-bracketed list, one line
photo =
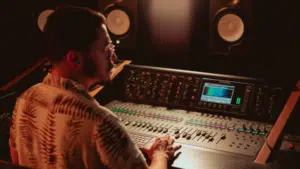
[(64, 83)]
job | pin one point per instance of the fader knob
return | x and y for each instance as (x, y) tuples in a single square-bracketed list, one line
[(184, 134), (134, 123), (211, 139), (177, 136), (127, 123), (143, 125), (188, 137), (165, 130), (176, 131), (198, 133), (155, 129), (204, 133), (150, 128), (207, 136), (160, 129), (138, 124), (223, 136)]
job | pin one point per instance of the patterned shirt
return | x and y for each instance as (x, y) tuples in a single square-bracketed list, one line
[(56, 124)]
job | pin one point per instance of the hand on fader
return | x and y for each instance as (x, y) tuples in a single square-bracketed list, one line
[(162, 147)]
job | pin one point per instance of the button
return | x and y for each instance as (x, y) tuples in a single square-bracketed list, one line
[(291, 146)]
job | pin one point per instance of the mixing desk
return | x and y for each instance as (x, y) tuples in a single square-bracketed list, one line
[(196, 129), (201, 111)]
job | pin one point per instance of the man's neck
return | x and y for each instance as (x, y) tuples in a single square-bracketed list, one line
[(77, 78)]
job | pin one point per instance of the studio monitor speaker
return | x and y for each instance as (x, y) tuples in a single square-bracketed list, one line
[(231, 27), (121, 18)]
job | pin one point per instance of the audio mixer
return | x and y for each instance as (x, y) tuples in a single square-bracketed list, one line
[(201, 111)]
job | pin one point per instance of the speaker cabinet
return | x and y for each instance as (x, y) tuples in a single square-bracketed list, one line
[(121, 17), (231, 27)]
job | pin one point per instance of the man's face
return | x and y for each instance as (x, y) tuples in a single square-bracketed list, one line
[(101, 57)]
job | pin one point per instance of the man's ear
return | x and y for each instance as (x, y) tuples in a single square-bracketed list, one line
[(73, 59)]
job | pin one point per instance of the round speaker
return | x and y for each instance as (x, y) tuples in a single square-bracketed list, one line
[(43, 17), (118, 21), (229, 26)]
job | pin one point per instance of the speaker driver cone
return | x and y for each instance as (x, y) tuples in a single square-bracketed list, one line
[(118, 21), (229, 26)]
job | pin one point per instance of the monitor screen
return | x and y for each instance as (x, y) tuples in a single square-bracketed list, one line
[(217, 93)]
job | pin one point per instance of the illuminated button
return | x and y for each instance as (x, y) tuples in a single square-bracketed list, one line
[(240, 130), (193, 98), (254, 132), (261, 133), (292, 146), (177, 92), (247, 131)]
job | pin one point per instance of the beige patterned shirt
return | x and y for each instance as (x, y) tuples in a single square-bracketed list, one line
[(57, 125)]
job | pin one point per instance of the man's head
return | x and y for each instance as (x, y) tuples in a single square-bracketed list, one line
[(78, 44)]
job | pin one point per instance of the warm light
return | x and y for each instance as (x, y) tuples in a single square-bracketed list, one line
[(170, 21)]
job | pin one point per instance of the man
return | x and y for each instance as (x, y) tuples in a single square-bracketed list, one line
[(57, 124)]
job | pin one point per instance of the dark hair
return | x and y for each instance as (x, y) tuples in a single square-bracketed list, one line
[(71, 28)]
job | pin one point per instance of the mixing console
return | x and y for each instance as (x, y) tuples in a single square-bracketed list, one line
[(197, 129), (201, 111)]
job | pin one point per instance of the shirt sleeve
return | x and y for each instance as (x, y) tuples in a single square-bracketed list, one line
[(115, 147), (12, 135)]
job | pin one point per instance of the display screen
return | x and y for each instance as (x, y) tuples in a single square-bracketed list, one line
[(217, 93)]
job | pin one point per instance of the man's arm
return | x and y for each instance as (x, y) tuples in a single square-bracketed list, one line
[(114, 146), (14, 156)]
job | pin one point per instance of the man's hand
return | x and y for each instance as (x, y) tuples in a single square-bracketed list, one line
[(162, 148)]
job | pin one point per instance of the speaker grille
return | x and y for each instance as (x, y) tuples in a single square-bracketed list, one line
[(230, 27), (118, 22)]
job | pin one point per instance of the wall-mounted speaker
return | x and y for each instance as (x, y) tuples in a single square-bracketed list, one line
[(121, 18), (231, 27)]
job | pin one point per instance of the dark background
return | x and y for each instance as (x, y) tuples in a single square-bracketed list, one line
[(274, 56)]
